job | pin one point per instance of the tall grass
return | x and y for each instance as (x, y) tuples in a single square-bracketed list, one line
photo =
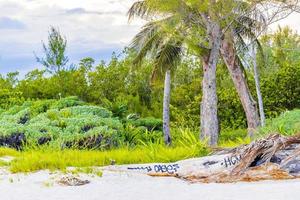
[(32, 159), (233, 138)]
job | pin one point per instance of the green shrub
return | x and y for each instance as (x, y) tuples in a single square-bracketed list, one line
[(150, 123), (288, 123), (232, 135), (9, 128), (96, 138), (10, 98), (88, 110), (67, 102), (41, 106)]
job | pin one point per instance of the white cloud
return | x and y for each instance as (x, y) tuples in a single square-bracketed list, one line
[(9, 23), (293, 21), (91, 26)]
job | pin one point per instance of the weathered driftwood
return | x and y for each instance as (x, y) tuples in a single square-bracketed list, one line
[(275, 157), (193, 167)]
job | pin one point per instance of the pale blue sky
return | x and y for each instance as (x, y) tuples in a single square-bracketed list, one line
[(94, 28)]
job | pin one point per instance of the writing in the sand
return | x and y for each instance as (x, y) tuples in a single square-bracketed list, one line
[(231, 161), (170, 169)]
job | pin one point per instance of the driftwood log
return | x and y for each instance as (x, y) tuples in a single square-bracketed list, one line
[(272, 158)]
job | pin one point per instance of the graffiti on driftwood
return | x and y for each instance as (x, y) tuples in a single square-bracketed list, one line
[(168, 168), (231, 161)]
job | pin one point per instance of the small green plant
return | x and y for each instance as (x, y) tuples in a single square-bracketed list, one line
[(3, 163), (288, 123)]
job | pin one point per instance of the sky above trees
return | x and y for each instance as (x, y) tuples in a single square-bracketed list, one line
[(94, 28)]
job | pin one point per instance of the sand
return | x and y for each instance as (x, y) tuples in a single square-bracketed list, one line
[(128, 186)]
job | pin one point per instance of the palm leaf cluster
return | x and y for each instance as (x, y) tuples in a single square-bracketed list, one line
[(157, 44)]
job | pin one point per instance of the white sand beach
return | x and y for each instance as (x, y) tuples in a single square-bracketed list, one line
[(128, 186)]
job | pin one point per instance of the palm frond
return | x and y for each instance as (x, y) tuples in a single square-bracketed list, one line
[(140, 9), (147, 39), (245, 32), (167, 57)]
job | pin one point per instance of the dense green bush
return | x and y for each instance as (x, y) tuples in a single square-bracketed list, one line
[(89, 110), (71, 123), (150, 123), (288, 123), (67, 102), (9, 98)]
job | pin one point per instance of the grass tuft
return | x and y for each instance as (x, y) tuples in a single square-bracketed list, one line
[(8, 152), (40, 159)]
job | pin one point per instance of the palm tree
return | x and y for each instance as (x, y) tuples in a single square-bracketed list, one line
[(236, 71), (219, 21), (234, 45), (209, 56), (250, 21), (153, 42)]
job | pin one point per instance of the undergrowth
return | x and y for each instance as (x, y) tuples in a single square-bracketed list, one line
[(185, 146), (288, 123), (138, 145), (40, 159)]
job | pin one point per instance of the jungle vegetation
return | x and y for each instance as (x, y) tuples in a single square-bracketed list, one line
[(190, 79)]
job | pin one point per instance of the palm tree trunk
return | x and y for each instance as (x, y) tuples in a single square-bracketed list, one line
[(259, 96), (240, 83), (166, 108), (209, 104)]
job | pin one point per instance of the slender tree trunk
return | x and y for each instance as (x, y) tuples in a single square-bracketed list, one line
[(209, 104), (257, 85), (166, 108), (240, 83)]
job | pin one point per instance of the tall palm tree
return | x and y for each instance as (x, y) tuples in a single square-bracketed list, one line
[(209, 56), (147, 10), (234, 45), (154, 43), (236, 71), (218, 20), (252, 19)]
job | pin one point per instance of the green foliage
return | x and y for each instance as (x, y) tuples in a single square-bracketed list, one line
[(71, 123), (150, 123), (55, 59), (88, 110), (67, 102), (288, 123), (46, 158), (31, 159), (233, 138), (108, 92), (123, 91), (9, 98)]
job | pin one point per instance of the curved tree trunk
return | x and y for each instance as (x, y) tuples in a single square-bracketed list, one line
[(209, 104), (166, 108), (240, 83)]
